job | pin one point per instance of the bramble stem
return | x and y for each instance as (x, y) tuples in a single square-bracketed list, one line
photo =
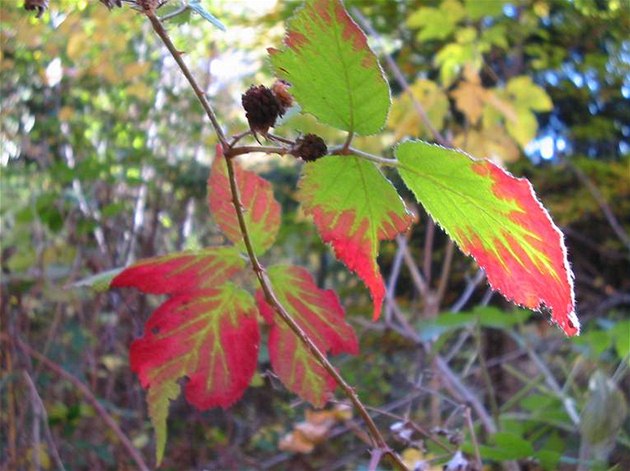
[(163, 34), (378, 441)]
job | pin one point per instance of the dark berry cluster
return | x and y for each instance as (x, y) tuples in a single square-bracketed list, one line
[(309, 147), (264, 105)]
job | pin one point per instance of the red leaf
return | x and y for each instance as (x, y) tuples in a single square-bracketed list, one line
[(179, 272), (261, 210), (497, 219), (320, 315), (354, 207), (210, 336)]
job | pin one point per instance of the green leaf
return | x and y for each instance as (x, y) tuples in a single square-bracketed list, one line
[(354, 207), (98, 282), (334, 75), (498, 220)]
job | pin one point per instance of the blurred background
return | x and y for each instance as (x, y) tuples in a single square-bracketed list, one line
[(105, 155)]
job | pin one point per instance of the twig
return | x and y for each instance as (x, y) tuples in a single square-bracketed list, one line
[(235, 151), (567, 402), (471, 285), (39, 411), (265, 284), (427, 259), (473, 437), (271, 298), (446, 271), (603, 204), (161, 32), (466, 395), (134, 454), (416, 276)]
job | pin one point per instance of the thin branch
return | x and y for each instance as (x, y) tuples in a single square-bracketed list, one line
[(567, 402), (379, 442), (346, 145), (133, 453), (427, 259), (40, 414), (603, 204), (446, 271), (236, 151), (471, 285), (201, 96), (466, 395), (416, 276), (473, 437), (367, 156)]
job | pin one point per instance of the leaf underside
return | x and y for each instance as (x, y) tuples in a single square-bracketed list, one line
[(497, 219), (334, 75), (354, 207), (320, 315)]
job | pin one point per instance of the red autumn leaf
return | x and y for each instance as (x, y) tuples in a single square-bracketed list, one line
[(207, 331), (497, 219), (320, 315), (354, 207), (261, 210), (178, 272)]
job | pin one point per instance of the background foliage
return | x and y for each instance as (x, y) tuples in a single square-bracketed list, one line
[(105, 157)]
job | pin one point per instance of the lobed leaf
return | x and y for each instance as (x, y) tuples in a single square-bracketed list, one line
[(206, 331), (320, 315), (497, 219), (261, 210), (211, 337), (354, 207), (333, 73)]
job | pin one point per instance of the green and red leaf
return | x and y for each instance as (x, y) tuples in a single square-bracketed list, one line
[(320, 315), (209, 336), (261, 210), (180, 272), (334, 75), (206, 331), (497, 219), (354, 207)]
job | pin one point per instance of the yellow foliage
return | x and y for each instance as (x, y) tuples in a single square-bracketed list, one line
[(493, 143), (404, 119)]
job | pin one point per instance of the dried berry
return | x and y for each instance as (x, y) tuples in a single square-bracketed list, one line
[(280, 89), (309, 147), (262, 108), (39, 5)]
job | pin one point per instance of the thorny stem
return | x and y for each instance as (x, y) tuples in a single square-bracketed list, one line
[(161, 32), (235, 151), (379, 442)]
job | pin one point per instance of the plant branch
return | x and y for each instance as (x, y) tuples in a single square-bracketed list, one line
[(271, 298), (134, 454), (378, 441), (201, 96), (235, 151), (367, 156)]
